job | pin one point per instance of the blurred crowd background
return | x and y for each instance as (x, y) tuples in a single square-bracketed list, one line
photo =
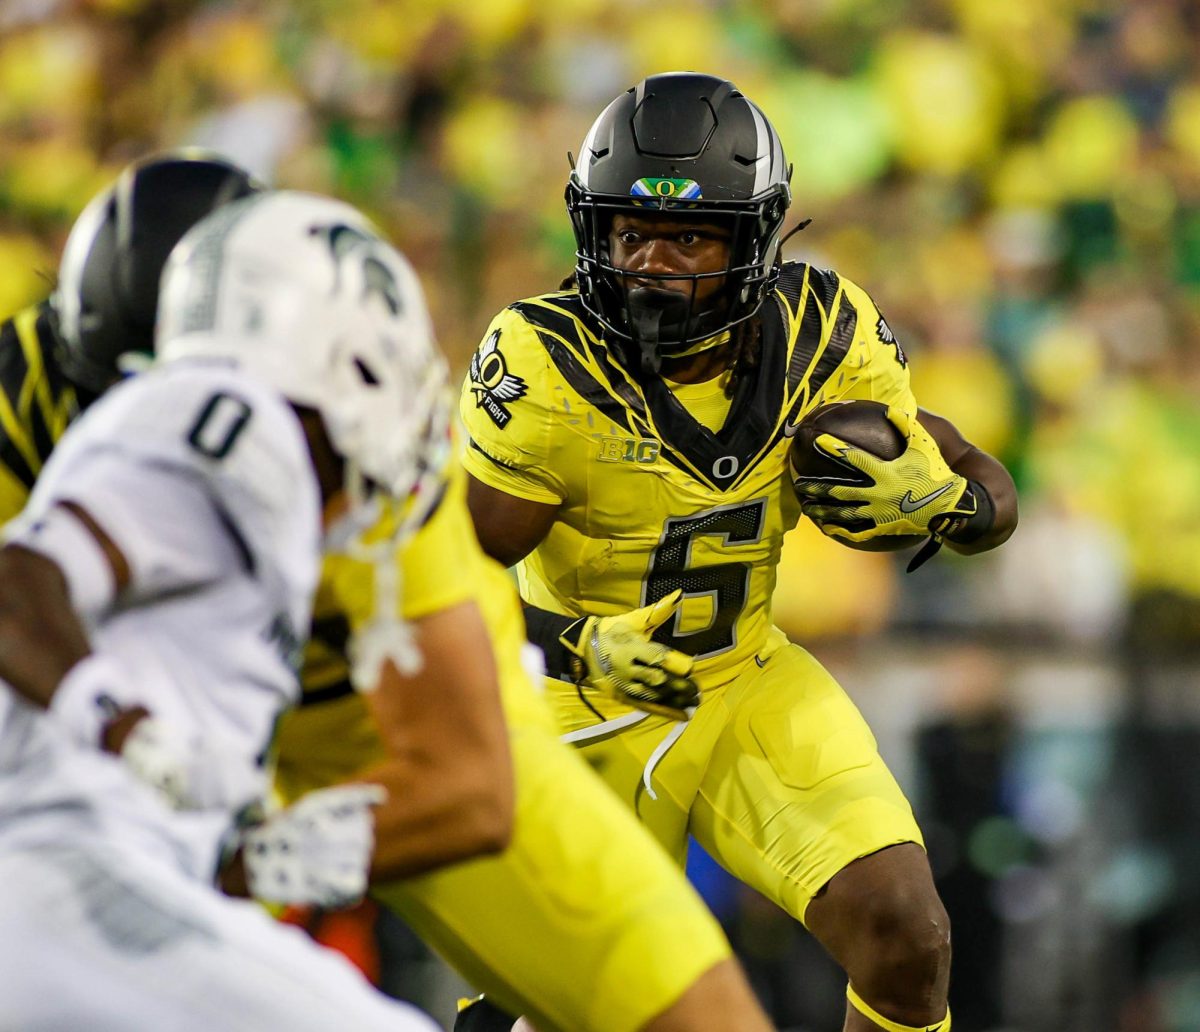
[(1016, 182)]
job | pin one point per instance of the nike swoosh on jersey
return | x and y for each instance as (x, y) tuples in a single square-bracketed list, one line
[(790, 429), (910, 504)]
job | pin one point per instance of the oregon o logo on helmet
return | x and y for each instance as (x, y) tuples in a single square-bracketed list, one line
[(675, 189)]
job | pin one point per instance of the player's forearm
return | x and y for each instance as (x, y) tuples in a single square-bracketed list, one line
[(977, 465), (436, 816), (448, 771), (41, 638), (980, 467)]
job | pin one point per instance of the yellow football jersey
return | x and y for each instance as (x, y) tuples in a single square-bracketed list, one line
[(36, 404), (651, 498)]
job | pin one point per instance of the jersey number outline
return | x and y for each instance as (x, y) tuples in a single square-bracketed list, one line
[(727, 584), (219, 424)]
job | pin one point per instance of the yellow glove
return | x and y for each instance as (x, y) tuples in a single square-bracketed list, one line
[(617, 657), (915, 493)]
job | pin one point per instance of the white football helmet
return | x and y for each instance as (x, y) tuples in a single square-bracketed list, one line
[(302, 292)]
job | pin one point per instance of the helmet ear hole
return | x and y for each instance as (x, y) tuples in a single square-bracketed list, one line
[(365, 371)]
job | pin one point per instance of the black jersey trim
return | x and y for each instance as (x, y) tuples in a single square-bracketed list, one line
[(616, 400), (330, 693), (559, 335), (15, 463), (14, 368), (824, 284), (476, 446), (332, 631), (619, 382), (651, 408), (647, 406), (804, 379), (39, 428), (808, 340), (840, 339)]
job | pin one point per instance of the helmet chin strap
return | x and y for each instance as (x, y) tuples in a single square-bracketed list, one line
[(645, 323), (655, 314), (707, 344)]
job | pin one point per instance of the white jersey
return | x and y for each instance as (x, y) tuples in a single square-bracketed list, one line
[(201, 477)]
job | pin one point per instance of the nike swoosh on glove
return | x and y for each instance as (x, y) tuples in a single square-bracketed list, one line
[(915, 493)]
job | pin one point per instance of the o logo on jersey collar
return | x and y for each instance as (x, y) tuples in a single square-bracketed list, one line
[(725, 467)]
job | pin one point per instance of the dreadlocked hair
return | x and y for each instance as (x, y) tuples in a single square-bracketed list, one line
[(747, 348)]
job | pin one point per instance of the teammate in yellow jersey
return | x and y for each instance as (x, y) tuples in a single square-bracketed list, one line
[(59, 355), (628, 448), (581, 923)]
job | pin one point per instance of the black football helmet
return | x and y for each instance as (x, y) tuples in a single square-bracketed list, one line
[(690, 145), (107, 291)]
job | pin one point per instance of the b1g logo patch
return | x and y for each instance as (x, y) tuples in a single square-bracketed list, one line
[(492, 384), (627, 449), (888, 337)]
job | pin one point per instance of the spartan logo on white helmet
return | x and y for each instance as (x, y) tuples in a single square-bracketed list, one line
[(302, 292)]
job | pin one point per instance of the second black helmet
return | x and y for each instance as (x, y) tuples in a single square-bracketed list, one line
[(107, 289)]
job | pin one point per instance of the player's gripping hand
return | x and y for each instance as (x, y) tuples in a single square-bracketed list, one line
[(316, 851), (618, 658), (915, 493), (190, 773)]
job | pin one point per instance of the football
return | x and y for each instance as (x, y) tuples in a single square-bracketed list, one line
[(865, 425)]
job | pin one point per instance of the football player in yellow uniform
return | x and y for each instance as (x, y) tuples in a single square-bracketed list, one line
[(629, 443), (581, 922)]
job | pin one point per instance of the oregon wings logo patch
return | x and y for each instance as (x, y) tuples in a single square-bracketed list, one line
[(888, 337), (492, 384)]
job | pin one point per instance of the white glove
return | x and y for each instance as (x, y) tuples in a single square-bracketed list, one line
[(189, 772), (317, 850)]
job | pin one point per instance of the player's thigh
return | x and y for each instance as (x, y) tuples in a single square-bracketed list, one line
[(795, 788), (583, 923), (105, 939), (653, 765)]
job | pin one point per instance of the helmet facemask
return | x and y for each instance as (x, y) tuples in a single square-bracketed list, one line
[(667, 322)]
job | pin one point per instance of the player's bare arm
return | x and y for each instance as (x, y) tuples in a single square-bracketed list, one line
[(636, 671), (508, 527), (40, 635), (449, 773), (974, 464)]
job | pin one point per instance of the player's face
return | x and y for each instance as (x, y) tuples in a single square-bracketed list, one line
[(663, 245)]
